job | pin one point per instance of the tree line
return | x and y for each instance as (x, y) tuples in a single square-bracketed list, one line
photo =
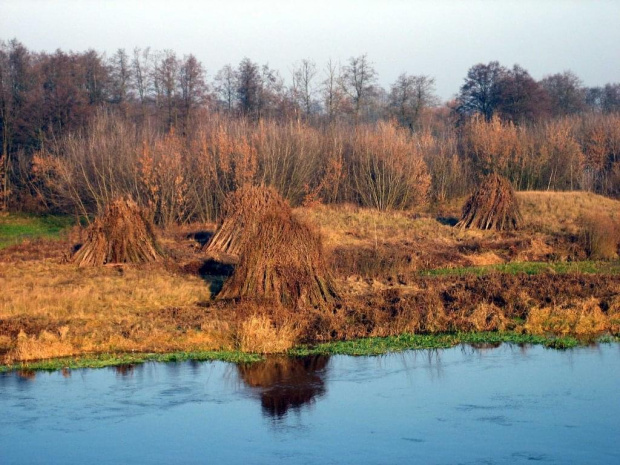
[(77, 128)]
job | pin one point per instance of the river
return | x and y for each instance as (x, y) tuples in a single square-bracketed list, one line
[(464, 405)]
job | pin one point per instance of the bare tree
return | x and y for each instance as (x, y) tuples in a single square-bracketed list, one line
[(332, 90), (611, 98), (566, 93), (166, 79), (249, 87), (120, 76), (303, 86), (481, 91), (358, 80), (95, 76), (258, 88), (192, 84), (142, 72), (226, 87), (521, 98), (409, 96)]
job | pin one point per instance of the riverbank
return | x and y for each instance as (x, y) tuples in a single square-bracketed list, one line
[(372, 346), (398, 273)]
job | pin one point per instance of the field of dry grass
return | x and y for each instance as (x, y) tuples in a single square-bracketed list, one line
[(376, 244), (50, 308)]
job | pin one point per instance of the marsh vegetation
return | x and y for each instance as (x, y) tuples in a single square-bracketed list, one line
[(405, 276), (146, 212)]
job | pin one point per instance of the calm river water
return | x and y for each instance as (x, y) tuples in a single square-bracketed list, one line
[(462, 405)]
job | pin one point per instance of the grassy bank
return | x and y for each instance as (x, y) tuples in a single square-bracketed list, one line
[(111, 360), (382, 345), (371, 346), (399, 273)]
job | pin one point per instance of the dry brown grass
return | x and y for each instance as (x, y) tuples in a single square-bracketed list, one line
[(582, 319), (50, 309), (377, 244), (44, 345), (601, 236), (487, 317), (561, 212), (259, 334), (613, 312)]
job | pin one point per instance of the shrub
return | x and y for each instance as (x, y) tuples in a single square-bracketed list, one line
[(600, 235)]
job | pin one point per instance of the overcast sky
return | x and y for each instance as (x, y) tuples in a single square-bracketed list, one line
[(442, 39)]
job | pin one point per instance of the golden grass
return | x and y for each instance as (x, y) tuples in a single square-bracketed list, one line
[(59, 291), (613, 313), (259, 334), (41, 346), (63, 310), (487, 317), (49, 309), (409, 241), (551, 212), (582, 318), (561, 212), (348, 225)]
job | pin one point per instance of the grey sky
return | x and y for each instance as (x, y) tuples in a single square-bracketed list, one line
[(438, 38)]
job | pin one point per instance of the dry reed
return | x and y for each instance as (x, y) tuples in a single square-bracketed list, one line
[(242, 210), (121, 235), (281, 262), (492, 206)]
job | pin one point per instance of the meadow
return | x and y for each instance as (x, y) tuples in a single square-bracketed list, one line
[(407, 279)]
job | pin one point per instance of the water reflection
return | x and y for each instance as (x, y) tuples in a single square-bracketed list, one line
[(124, 370), (510, 404), (286, 383), (483, 346), (26, 375)]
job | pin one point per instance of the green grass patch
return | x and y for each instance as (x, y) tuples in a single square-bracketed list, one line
[(359, 347), (109, 360), (15, 227), (592, 267), (382, 345)]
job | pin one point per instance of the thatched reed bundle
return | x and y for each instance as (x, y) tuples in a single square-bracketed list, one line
[(121, 235), (492, 206), (241, 211), (281, 261)]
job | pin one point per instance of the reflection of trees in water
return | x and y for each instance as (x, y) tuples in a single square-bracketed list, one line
[(286, 383), (26, 375), (124, 370), (410, 360), (484, 346)]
